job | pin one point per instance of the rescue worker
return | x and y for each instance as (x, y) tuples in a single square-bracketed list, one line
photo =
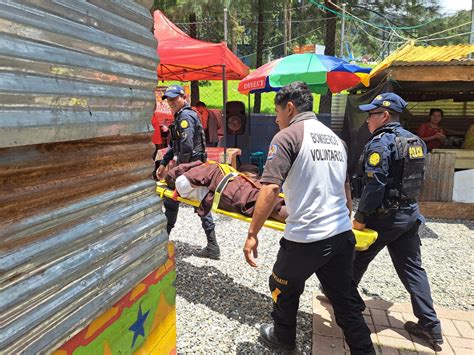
[(393, 167), (318, 237), (187, 144)]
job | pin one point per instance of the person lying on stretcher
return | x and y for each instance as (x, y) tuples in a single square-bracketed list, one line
[(199, 181)]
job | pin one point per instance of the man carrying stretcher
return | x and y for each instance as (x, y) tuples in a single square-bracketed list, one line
[(238, 193)]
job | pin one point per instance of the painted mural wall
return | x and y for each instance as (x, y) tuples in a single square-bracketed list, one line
[(142, 322)]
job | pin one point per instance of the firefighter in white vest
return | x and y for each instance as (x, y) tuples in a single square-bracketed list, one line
[(309, 162)]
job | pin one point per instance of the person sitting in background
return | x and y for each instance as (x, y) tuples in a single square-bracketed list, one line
[(433, 135), (210, 123), (199, 181)]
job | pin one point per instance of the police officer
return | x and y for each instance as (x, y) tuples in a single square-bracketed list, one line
[(318, 237), (393, 165), (187, 144)]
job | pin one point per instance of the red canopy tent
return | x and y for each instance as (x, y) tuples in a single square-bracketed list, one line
[(184, 58)]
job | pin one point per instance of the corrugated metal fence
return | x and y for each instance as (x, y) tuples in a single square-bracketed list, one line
[(74, 69), (60, 270), (338, 110), (46, 176)]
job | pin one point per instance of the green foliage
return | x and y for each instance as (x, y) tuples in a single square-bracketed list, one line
[(309, 24)]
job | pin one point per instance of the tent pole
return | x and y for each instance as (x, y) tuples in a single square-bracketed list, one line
[(250, 125), (224, 114)]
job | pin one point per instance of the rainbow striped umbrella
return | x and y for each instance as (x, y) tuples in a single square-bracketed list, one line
[(320, 72)]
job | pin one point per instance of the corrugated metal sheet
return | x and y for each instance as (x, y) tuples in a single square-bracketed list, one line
[(454, 63), (410, 54), (432, 53), (449, 107), (60, 270), (338, 109), (74, 69), (40, 177)]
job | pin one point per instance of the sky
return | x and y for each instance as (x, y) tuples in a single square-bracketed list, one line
[(455, 5)]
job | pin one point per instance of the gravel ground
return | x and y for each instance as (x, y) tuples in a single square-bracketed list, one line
[(220, 303)]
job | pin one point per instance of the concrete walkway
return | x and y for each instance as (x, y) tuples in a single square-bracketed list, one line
[(385, 320)]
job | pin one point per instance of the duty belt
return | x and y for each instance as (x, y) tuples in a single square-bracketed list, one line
[(393, 205)]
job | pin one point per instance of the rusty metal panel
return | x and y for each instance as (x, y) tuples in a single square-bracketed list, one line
[(74, 70), (61, 269), (36, 178)]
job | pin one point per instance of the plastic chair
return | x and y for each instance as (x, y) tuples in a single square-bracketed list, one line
[(258, 159)]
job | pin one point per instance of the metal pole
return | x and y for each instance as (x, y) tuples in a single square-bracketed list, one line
[(471, 40), (250, 129), (343, 28), (285, 29), (224, 91), (224, 113), (225, 25)]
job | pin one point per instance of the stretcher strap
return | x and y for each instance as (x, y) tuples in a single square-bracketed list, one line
[(162, 192), (227, 169), (220, 188)]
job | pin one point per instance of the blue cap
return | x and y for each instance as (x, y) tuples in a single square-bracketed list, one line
[(388, 100), (173, 91)]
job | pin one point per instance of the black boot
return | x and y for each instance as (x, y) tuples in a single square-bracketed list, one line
[(211, 250), (267, 333), (415, 329)]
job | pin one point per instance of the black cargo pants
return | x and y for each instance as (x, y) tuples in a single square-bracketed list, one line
[(331, 261)]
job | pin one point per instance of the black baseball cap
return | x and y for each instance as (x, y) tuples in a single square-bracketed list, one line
[(173, 91), (388, 100)]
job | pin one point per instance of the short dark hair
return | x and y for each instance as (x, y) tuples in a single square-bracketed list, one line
[(298, 93), (433, 110), (200, 104)]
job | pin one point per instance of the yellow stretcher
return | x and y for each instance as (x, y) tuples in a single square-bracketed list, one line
[(364, 238)]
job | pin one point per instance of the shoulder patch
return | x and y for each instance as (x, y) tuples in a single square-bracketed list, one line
[(184, 124), (272, 151), (374, 159)]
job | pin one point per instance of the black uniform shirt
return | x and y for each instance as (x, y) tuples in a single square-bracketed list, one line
[(187, 123), (378, 157)]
